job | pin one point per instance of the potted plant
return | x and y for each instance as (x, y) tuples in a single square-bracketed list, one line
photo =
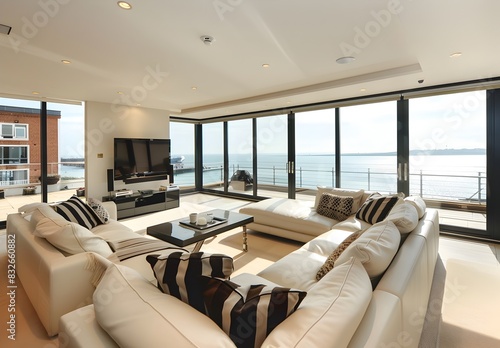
[(51, 179)]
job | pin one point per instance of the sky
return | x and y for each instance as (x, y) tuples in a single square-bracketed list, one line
[(440, 122)]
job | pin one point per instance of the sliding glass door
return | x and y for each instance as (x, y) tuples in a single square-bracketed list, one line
[(448, 157), (369, 147)]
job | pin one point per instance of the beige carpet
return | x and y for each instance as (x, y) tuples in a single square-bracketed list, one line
[(471, 306)]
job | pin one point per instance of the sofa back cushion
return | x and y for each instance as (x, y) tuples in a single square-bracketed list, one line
[(184, 275), (330, 313), (70, 237), (356, 195), (404, 216), (375, 248), (135, 313), (418, 203)]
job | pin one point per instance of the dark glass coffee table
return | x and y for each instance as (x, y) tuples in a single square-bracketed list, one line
[(181, 233)]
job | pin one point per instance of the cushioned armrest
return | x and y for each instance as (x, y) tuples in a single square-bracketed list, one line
[(111, 208)]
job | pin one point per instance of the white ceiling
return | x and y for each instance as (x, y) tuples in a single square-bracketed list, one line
[(153, 53)]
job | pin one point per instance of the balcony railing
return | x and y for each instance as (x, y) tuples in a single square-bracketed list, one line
[(446, 187)]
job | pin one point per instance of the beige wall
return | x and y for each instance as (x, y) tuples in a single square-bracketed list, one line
[(103, 123)]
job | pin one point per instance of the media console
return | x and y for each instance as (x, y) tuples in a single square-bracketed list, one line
[(139, 202)]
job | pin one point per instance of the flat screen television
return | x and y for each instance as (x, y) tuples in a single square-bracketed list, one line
[(141, 158)]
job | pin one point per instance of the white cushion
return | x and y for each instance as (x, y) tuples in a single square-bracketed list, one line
[(356, 195), (404, 216), (135, 313), (375, 248), (330, 313), (70, 237), (42, 212), (418, 203)]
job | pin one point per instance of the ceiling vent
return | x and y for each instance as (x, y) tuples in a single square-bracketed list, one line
[(5, 29), (207, 39)]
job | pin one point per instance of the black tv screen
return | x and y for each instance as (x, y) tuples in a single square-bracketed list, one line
[(141, 157)]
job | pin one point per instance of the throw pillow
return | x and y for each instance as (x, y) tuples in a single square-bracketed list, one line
[(376, 208), (330, 261), (75, 210), (181, 274), (335, 207), (247, 314), (99, 209), (70, 237), (356, 195)]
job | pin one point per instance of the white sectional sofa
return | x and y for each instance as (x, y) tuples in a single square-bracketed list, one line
[(56, 281), (376, 295)]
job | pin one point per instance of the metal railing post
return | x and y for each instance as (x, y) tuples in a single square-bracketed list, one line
[(421, 184), (479, 179), (369, 179)]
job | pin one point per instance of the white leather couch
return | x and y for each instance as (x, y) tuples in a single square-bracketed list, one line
[(55, 282), (342, 309)]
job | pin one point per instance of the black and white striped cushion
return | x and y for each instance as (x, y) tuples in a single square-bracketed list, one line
[(247, 314), (376, 208), (75, 210), (181, 274)]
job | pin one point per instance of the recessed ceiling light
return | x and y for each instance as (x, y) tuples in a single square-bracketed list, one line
[(65, 61), (35, 93), (362, 90), (265, 65), (124, 5), (455, 54), (119, 92), (345, 60), (194, 88)]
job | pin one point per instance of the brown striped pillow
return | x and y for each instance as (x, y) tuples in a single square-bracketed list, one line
[(181, 274), (376, 208), (247, 314)]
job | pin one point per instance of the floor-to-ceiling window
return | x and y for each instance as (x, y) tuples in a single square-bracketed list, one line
[(65, 151), (213, 156), (182, 153), (272, 149), (240, 154), (369, 147), (315, 150), (448, 156), (20, 152)]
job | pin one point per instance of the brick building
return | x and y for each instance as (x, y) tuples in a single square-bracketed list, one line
[(20, 145)]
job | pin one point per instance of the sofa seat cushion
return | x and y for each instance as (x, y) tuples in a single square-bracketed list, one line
[(330, 313), (296, 270), (289, 214), (135, 313), (352, 224), (112, 229)]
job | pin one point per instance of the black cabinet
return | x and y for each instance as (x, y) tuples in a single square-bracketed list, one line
[(142, 202)]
